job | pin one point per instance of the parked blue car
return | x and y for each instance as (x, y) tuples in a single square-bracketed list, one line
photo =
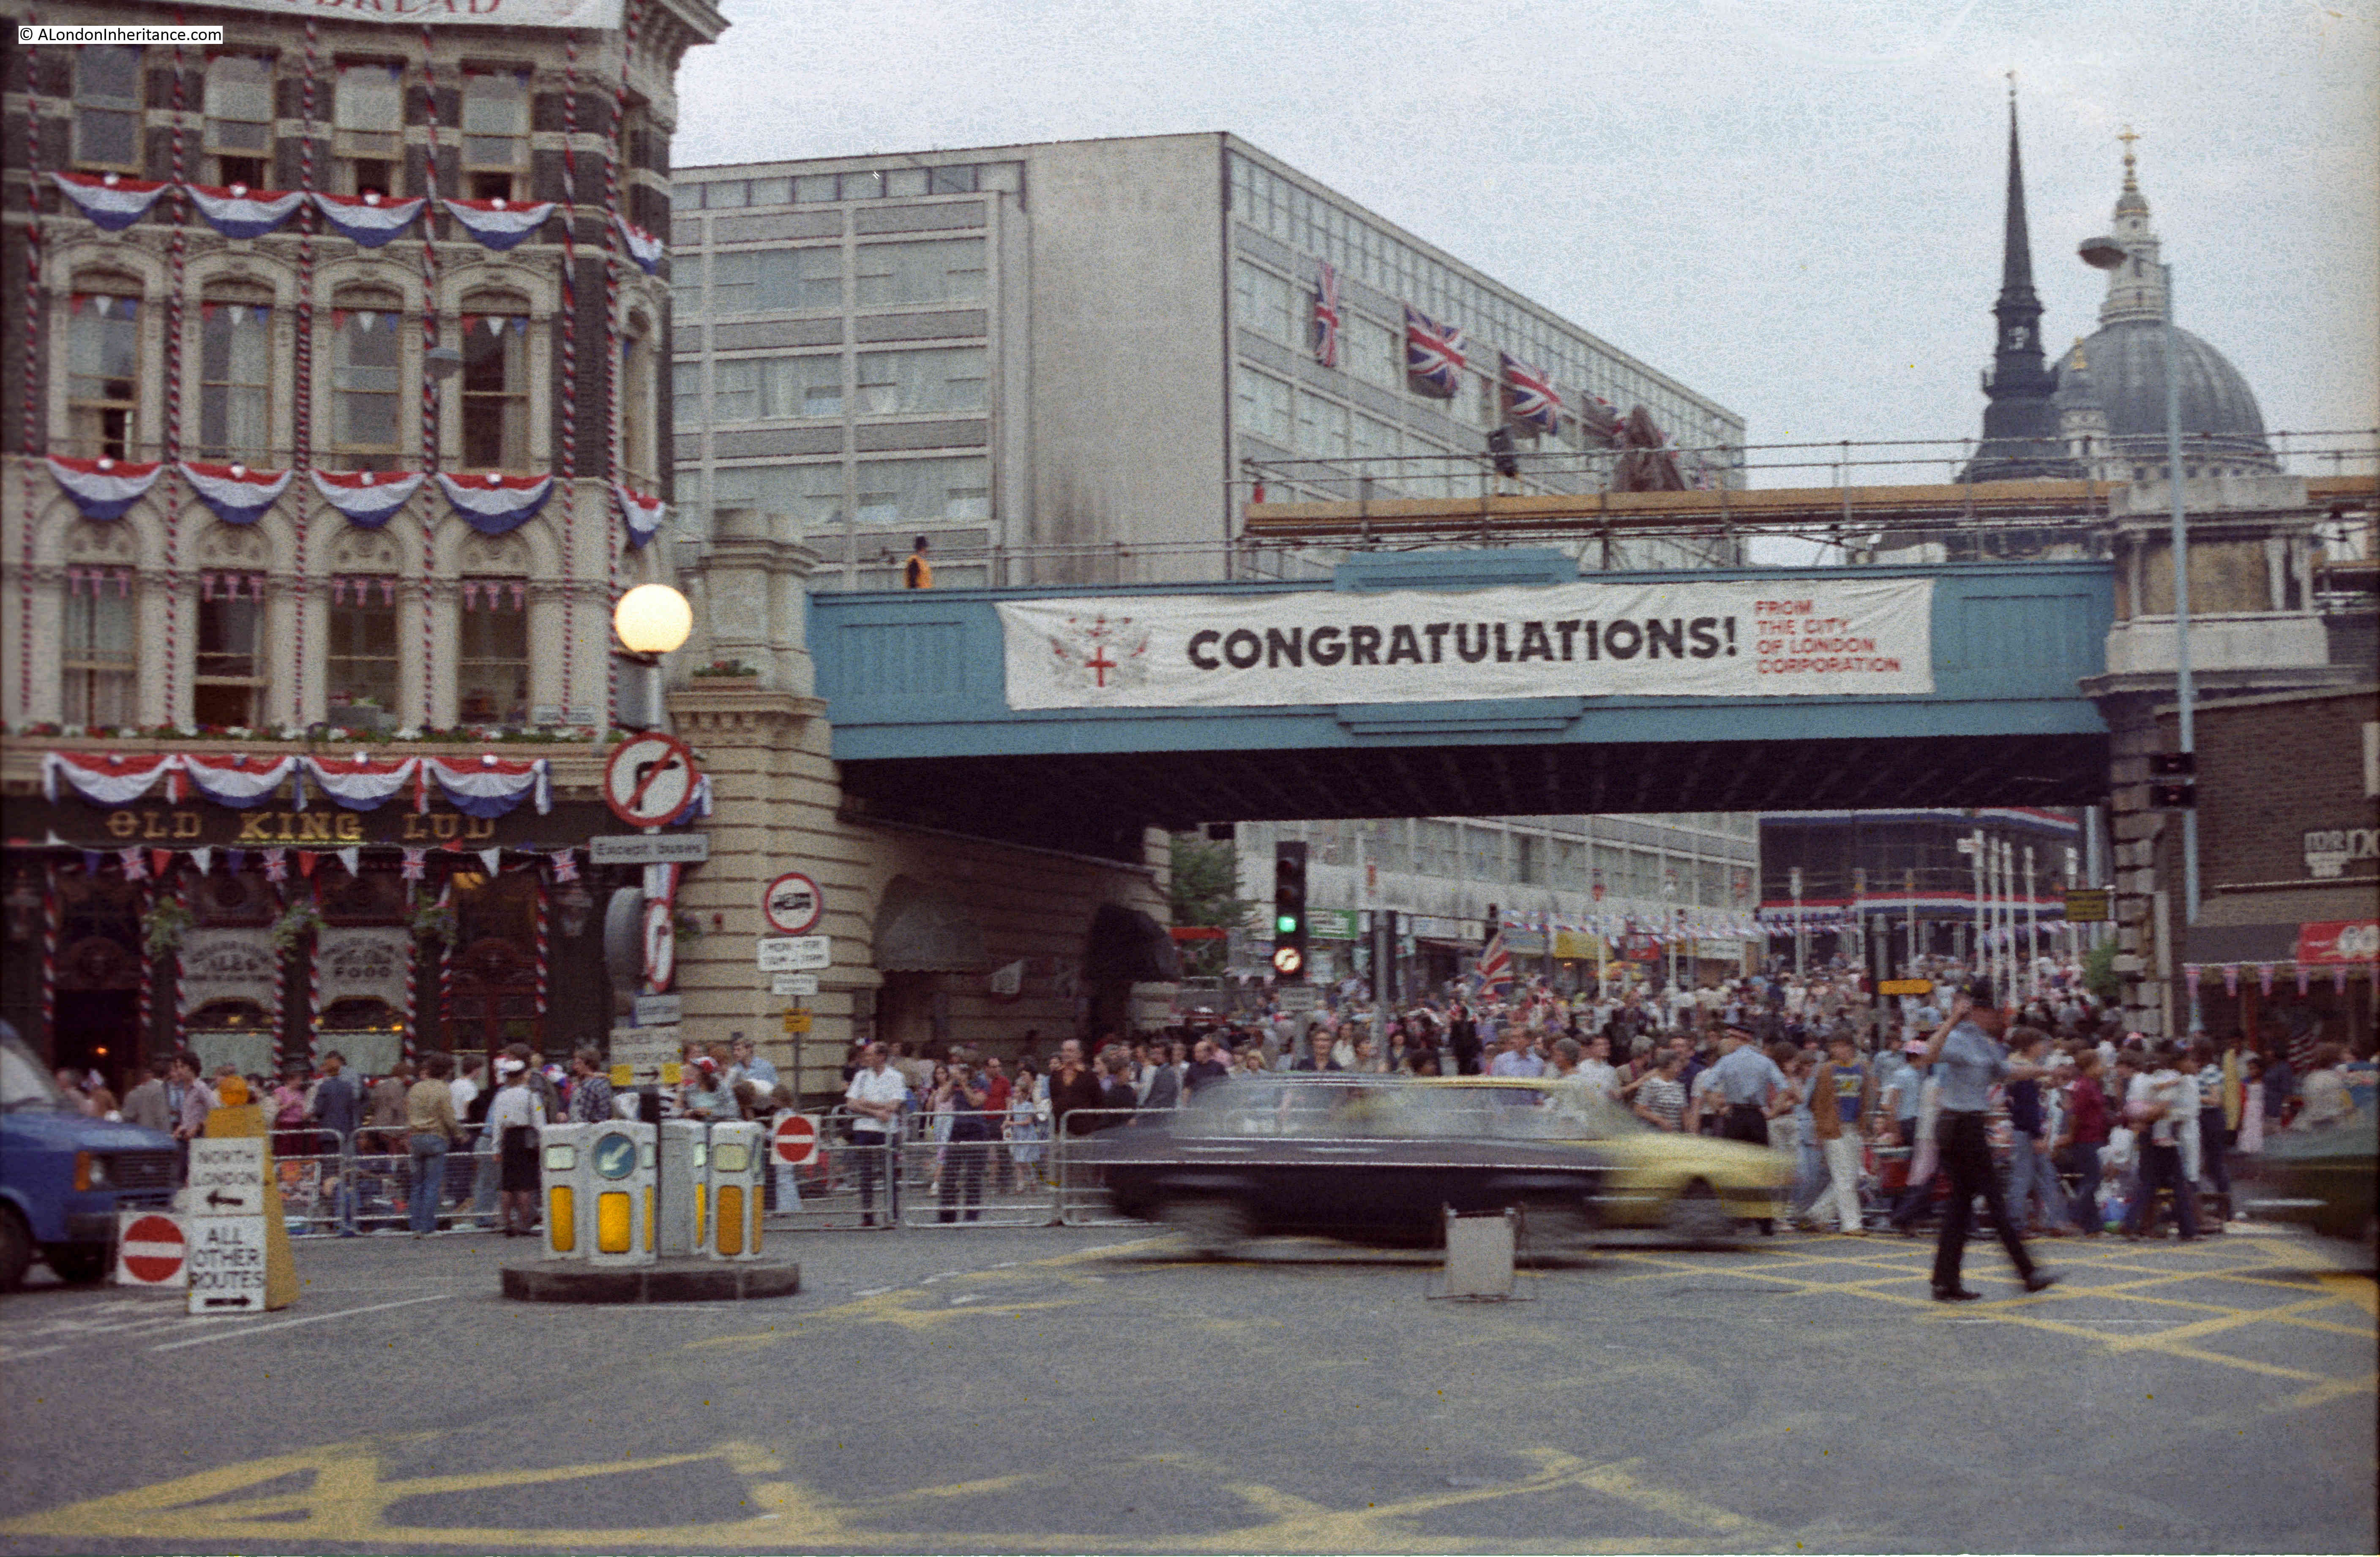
[(64, 1176)]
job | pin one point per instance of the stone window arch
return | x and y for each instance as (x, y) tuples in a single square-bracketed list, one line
[(369, 350), (104, 366)]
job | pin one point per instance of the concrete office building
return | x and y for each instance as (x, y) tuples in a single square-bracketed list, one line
[(1072, 361)]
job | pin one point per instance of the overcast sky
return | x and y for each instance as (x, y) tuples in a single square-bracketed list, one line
[(1793, 206)]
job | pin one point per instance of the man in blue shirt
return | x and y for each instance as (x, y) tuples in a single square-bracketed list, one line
[(1967, 1048), (1745, 1080)]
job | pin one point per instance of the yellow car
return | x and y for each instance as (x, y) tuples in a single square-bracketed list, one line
[(1695, 1189)]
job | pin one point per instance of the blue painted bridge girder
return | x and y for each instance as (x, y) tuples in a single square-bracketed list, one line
[(915, 687)]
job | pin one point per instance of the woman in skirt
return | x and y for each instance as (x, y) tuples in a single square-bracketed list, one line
[(514, 1117)]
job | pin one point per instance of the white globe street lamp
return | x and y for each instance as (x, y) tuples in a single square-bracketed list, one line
[(652, 620)]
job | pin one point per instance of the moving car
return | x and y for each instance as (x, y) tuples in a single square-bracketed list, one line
[(1366, 1158), (1695, 1189), (2322, 1179), (64, 1176)]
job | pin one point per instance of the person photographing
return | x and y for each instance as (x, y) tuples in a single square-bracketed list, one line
[(1967, 1047)]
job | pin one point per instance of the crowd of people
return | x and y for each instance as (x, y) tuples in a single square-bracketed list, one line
[(2090, 1129)]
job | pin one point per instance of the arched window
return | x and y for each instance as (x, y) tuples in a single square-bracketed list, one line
[(367, 347), (107, 109), (495, 382), (362, 667), (236, 374), (491, 671), (104, 366), (239, 119), (637, 407), (233, 660)]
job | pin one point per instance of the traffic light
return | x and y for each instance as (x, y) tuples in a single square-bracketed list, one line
[(1499, 448), (2173, 795), (1289, 921)]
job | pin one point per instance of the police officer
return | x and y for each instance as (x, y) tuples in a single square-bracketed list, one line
[(1967, 1046), (1745, 1080)]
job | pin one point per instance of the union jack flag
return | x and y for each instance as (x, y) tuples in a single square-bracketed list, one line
[(1326, 314), (1529, 396), (1495, 965), (1433, 355)]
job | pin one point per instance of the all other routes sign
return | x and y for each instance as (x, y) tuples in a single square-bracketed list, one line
[(226, 1264)]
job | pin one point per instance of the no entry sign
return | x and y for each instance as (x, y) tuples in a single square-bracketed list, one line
[(150, 1250), (795, 1140)]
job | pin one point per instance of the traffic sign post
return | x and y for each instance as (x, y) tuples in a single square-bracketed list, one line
[(795, 954), (226, 1264), (650, 780), (151, 1249), (646, 1054), (792, 904), (795, 985), (795, 1139)]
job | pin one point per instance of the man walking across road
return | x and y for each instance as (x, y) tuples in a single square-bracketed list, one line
[(1967, 1045), (1840, 1094), (338, 1108)]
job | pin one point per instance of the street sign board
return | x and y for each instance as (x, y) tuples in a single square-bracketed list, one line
[(1906, 987), (1299, 998), (792, 904), (795, 984), (2086, 906), (658, 1010), (650, 849), (795, 954), (226, 1263), (228, 1177), (151, 1249), (794, 1140), (646, 1054), (650, 780)]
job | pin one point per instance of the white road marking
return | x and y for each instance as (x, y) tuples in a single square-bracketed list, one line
[(291, 1324)]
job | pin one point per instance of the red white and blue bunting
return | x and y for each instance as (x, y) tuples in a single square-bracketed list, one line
[(643, 247), (237, 495), (644, 515), (238, 780), (111, 202), (369, 499), (103, 488), (494, 503), (499, 224), (236, 211), (370, 220), (363, 783), (107, 778), (491, 785)]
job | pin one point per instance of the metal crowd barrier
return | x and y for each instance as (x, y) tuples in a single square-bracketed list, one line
[(850, 1184), (362, 1182), (972, 1183), (1082, 1190)]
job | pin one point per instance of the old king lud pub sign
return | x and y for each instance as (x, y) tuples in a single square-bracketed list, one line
[(158, 824)]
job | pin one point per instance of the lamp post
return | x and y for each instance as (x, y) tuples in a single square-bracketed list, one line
[(1800, 946), (2107, 254), (652, 620), (2032, 930)]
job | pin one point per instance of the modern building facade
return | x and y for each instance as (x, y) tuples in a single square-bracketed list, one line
[(332, 416), (1074, 361), (1575, 896)]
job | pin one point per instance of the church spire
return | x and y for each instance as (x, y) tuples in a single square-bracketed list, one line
[(2136, 286), (2021, 435)]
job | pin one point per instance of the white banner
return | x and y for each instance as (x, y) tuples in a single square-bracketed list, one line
[(592, 14), (1725, 638)]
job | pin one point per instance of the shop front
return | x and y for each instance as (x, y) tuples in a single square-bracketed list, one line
[(259, 910)]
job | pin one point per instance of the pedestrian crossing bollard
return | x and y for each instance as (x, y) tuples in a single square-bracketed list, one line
[(603, 1196), (684, 1186), (738, 1164)]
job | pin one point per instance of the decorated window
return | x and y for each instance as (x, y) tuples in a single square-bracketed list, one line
[(495, 385), (229, 689), (367, 344), (107, 108), (100, 657), (235, 378), (368, 122), (363, 664), (491, 676), (239, 119), (637, 396), (495, 134), (103, 369)]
